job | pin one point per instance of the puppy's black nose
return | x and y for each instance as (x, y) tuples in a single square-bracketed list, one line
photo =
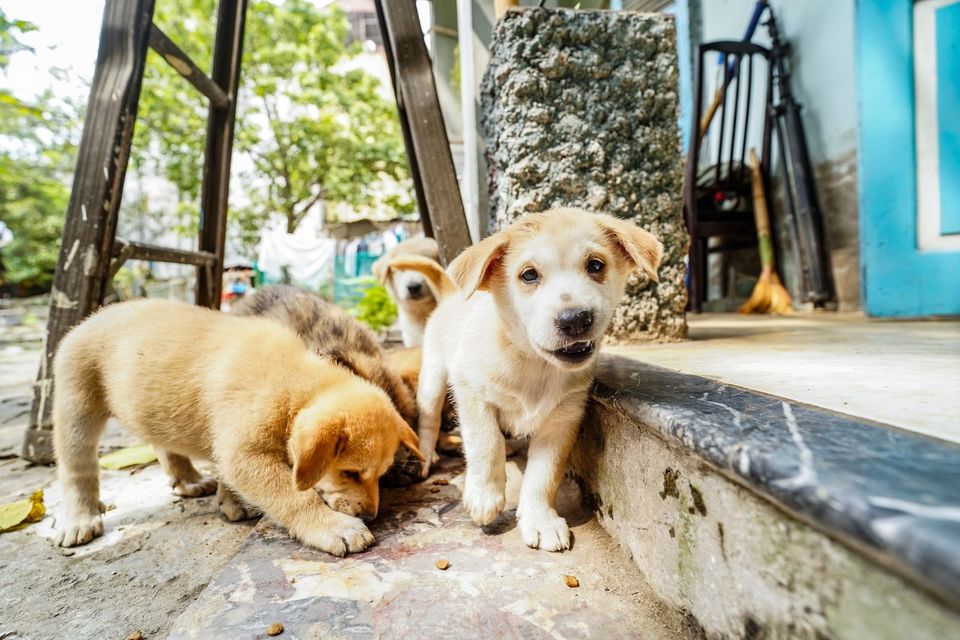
[(367, 514), (415, 288), (574, 322)]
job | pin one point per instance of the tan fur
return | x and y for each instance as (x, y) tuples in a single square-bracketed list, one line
[(515, 363), (405, 362), (242, 392), (413, 309), (440, 283), (330, 331)]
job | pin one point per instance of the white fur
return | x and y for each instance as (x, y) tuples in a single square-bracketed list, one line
[(494, 349)]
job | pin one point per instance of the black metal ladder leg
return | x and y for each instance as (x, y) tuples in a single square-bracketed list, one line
[(227, 54), (83, 267)]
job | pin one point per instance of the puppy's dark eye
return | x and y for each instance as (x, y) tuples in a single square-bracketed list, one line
[(530, 275), (594, 265), (352, 475)]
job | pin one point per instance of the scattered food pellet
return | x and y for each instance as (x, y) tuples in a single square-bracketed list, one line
[(434, 489), (441, 481), (571, 581), (136, 635), (68, 552), (275, 629), (443, 565)]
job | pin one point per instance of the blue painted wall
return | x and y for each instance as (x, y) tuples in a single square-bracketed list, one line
[(898, 278), (948, 115)]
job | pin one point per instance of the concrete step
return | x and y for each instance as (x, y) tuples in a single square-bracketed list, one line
[(495, 587), (763, 517)]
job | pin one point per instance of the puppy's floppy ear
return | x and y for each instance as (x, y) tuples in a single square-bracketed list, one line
[(641, 248), (381, 269), (315, 442), (409, 439), (472, 269)]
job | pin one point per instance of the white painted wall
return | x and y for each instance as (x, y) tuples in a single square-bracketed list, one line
[(822, 35)]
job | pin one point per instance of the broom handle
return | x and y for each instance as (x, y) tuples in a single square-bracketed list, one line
[(760, 214), (712, 110)]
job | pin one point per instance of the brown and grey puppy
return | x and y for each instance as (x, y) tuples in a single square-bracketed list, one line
[(292, 434), (410, 290), (330, 331)]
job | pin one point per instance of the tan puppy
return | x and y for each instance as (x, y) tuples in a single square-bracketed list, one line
[(409, 289), (332, 332), (517, 344), (294, 435)]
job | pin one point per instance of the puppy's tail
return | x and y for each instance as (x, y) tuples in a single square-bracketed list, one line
[(437, 279)]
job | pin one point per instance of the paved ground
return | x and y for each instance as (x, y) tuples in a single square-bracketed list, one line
[(495, 587), (173, 566), (903, 373)]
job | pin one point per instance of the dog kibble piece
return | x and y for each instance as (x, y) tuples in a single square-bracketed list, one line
[(571, 581), (136, 635), (443, 565), (434, 489), (441, 481), (275, 629)]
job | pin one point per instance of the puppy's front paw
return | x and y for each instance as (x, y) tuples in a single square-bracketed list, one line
[(205, 486), (339, 534), (483, 503), (432, 458), (79, 530), (546, 531)]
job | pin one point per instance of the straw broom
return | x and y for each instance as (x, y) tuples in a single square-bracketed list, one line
[(769, 295)]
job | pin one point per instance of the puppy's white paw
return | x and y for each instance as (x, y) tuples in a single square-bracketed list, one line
[(79, 530), (203, 487), (483, 503), (339, 534), (546, 531)]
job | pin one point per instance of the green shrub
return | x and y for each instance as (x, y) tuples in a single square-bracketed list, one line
[(375, 308)]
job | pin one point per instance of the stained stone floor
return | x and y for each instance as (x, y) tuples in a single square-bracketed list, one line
[(902, 373), (494, 587)]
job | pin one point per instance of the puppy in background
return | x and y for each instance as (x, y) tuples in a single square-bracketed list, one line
[(410, 290), (329, 331), (517, 342), (292, 434)]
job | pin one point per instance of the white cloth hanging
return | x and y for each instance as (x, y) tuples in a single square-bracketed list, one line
[(308, 260)]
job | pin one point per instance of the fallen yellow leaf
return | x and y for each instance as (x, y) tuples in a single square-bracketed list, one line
[(128, 457), (13, 515)]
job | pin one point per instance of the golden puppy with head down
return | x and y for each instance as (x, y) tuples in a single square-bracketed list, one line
[(293, 435)]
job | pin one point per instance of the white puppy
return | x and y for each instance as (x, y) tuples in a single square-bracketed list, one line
[(516, 339), (410, 291)]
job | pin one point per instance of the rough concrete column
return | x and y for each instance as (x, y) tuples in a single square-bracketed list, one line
[(580, 109)]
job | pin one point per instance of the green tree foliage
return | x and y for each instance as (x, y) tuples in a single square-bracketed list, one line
[(172, 115), (37, 153), (311, 130), (311, 124)]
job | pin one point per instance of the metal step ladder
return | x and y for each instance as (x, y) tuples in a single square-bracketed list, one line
[(90, 252)]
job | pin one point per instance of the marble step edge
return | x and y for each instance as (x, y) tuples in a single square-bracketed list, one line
[(887, 493)]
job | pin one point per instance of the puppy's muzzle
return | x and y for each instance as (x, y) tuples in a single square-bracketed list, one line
[(574, 323)]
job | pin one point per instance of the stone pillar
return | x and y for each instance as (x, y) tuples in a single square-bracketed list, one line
[(580, 108)]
